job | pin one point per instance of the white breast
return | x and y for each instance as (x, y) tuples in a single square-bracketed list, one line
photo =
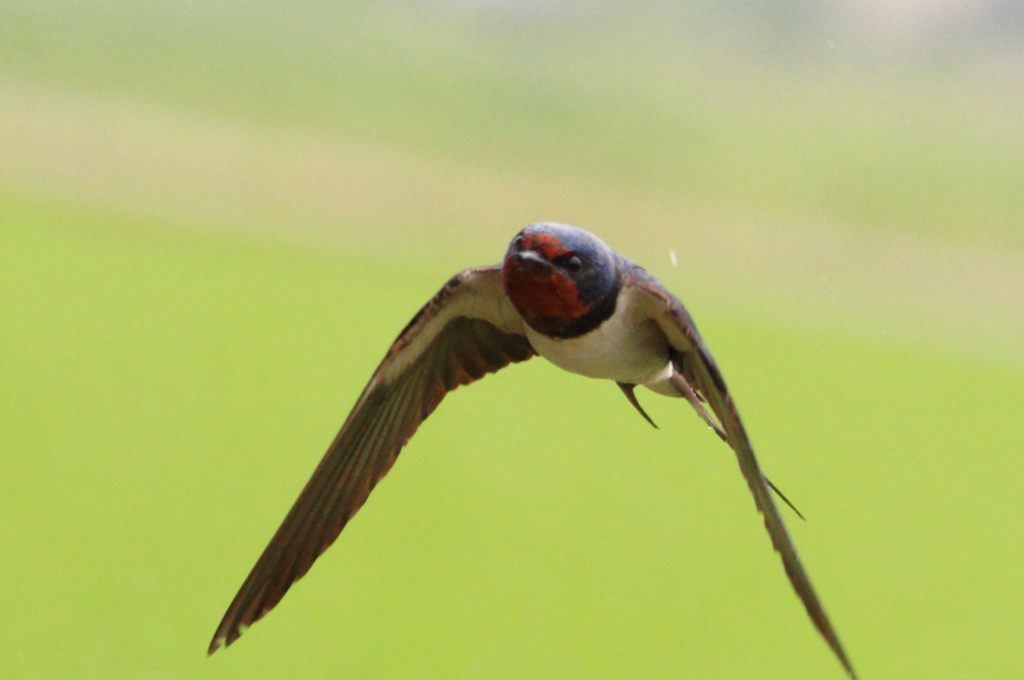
[(627, 348)]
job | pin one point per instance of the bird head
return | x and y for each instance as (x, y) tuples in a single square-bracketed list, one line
[(564, 281)]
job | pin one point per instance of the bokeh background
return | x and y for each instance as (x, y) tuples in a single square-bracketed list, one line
[(215, 217)]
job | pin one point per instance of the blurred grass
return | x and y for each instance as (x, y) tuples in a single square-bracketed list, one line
[(167, 394), (166, 391)]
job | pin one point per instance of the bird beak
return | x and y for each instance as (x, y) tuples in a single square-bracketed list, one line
[(530, 257)]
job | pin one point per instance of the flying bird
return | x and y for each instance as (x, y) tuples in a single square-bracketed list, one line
[(560, 292)]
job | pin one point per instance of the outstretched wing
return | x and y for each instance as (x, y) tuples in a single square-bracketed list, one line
[(697, 371), (469, 329)]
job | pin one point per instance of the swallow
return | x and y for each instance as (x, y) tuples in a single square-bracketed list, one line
[(560, 293)]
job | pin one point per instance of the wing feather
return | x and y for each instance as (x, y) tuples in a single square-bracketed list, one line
[(469, 329), (694, 363)]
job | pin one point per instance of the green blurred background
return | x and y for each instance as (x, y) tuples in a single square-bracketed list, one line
[(215, 217)]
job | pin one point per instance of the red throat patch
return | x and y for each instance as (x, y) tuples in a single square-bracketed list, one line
[(540, 293)]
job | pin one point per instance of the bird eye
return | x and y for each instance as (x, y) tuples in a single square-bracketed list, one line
[(517, 241), (574, 264)]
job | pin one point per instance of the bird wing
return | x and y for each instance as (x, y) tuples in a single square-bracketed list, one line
[(696, 366), (469, 329)]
